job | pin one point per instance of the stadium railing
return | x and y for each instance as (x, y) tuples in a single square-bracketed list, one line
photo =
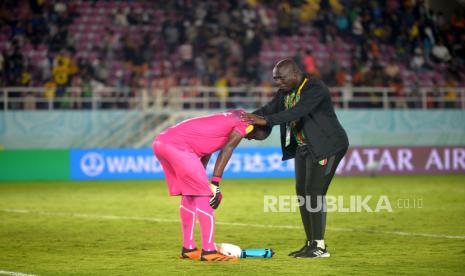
[(204, 98)]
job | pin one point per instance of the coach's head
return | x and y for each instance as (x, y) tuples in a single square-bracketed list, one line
[(287, 75)]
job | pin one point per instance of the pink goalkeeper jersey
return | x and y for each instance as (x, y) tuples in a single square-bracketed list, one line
[(207, 134)]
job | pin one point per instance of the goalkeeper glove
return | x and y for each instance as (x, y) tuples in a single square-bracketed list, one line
[(215, 200)]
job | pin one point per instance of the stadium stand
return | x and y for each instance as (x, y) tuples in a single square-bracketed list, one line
[(134, 45)]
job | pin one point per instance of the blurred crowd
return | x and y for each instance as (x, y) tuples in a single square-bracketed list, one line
[(423, 40), (220, 43)]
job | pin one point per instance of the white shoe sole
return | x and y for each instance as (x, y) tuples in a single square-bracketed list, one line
[(324, 255)]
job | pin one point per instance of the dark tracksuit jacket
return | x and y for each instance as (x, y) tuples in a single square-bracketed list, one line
[(324, 134)]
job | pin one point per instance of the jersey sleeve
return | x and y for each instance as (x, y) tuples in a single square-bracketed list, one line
[(243, 128)]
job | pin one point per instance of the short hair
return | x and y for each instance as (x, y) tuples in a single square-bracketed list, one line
[(289, 64), (261, 132)]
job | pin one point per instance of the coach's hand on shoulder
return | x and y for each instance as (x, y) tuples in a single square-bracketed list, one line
[(253, 119), (215, 200)]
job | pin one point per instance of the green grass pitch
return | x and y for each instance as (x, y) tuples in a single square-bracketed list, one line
[(132, 228)]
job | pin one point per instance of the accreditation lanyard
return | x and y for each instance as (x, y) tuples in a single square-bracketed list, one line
[(290, 101)]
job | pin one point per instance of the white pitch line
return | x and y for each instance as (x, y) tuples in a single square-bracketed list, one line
[(337, 229), (12, 273)]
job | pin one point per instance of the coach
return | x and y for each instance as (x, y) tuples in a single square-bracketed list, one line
[(312, 134)]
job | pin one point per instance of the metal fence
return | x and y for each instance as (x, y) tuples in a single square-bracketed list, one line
[(203, 98)]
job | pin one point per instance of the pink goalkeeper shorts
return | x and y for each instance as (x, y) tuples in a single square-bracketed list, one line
[(184, 172)]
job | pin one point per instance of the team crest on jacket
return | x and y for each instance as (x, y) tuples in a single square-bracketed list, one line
[(323, 162)]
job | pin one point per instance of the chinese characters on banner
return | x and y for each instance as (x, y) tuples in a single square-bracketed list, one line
[(266, 162)]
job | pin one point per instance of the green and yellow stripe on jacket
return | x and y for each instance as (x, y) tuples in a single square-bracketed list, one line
[(290, 101)]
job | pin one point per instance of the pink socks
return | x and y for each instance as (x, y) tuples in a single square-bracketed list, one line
[(192, 207), (187, 213), (207, 222)]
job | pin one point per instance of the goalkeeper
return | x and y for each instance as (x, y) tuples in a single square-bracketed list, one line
[(184, 151)]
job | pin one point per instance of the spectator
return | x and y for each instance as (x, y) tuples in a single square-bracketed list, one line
[(414, 95), (186, 54), (392, 70), (417, 61), (357, 29), (441, 53), (342, 23), (450, 97), (284, 19), (427, 48), (86, 92), (145, 17), (120, 17), (309, 63), (60, 7), (49, 94), (222, 92)]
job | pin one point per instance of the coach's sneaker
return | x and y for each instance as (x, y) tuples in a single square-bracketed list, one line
[(215, 256), (306, 245), (313, 251), (193, 254)]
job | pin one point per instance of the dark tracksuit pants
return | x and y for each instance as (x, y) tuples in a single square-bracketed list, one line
[(312, 182)]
